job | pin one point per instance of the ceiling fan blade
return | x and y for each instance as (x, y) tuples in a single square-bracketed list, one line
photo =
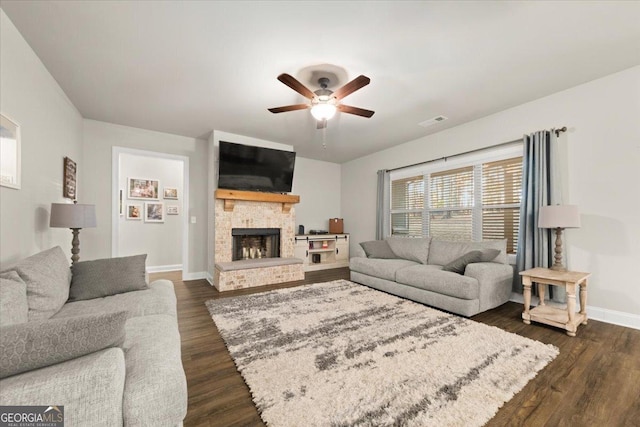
[(322, 124), (355, 110), (288, 108), (295, 85), (355, 84)]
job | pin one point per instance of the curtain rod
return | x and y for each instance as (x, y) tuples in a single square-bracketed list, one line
[(557, 131)]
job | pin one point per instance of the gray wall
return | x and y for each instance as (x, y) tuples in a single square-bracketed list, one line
[(600, 157), (51, 129), (99, 138)]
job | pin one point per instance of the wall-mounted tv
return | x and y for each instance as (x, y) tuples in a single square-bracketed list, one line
[(246, 167)]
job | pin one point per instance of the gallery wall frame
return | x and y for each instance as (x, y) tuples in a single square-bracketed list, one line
[(171, 193), (143, 188), (10, 152), (134, 211), (153, 212)]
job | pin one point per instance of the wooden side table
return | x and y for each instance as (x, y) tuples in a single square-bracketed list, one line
[(566, 319)]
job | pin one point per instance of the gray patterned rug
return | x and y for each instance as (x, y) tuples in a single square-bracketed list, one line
[(342, 354)]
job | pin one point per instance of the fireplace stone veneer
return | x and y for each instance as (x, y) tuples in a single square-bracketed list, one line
[(253, 214)]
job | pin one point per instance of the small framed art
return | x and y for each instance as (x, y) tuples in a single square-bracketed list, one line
[(170, 193), (69, 186), (134, 211), (154, 212), (10, 148), (172, 210)]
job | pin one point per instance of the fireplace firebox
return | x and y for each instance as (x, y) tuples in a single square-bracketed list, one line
[(253, 243)]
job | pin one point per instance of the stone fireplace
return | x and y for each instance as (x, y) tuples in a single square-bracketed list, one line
[(255, 243), (254, 240)]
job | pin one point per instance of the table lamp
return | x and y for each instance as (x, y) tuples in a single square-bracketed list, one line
[(559, 217), (74, 216)]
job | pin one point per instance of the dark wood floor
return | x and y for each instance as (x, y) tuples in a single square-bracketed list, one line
[(595, 381)]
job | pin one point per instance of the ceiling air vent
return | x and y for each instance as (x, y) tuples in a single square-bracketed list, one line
[(432, 121)]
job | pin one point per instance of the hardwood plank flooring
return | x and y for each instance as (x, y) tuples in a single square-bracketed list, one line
[(595, 381)]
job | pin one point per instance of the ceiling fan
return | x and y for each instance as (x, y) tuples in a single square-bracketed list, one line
[(324, 102)]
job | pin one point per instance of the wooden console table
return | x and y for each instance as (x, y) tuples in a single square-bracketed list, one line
[(566, 319)]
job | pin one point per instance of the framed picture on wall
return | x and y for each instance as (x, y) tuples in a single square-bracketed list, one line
[(69, 186), (170, 193), (143, 188), (172, 210), (154, 212), (10, 147), (134, 211)]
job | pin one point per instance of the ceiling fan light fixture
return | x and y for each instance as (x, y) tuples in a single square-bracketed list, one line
[(323, 111)]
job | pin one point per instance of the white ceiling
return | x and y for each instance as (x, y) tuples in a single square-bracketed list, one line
[(187, 67)]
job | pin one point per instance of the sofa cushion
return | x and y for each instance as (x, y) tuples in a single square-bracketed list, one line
[(33, 345), (382, 268), (47, 276), (411, 248), (13, 299), (109, 276), (155, 391), (159, 298), (458, 265), (89, 387), (442, 252), (430, 278), (378, 249)]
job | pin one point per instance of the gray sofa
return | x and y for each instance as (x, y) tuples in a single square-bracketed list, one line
[(415, 268), (111, 360)]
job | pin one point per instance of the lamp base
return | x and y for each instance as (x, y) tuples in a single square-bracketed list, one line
[(75, 245), (557, 265), (558, 268)]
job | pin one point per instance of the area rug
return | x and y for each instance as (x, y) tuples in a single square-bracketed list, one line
[(342, 354)]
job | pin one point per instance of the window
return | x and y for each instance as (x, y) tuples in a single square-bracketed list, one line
[(478, 199)]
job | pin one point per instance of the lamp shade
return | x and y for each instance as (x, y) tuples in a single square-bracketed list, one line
[(559, 216), (66, 215), (323, 111)]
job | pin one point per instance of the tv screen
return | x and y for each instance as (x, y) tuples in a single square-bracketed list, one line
[(245, 167)]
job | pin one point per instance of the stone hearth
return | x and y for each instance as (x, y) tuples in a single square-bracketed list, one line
[(250, 273)]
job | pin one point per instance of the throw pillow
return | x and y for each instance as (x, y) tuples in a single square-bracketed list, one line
[(489, 255), (378, 249), (47, 276), (410, 248), (460, 264), (33, 345), (13, 299), (109, 276)]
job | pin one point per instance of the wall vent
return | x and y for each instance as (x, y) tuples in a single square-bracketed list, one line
[(433, 121)]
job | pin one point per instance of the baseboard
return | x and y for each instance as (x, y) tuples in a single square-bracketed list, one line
[(614, 317), (163, 268), (209, 278), (194, 276)]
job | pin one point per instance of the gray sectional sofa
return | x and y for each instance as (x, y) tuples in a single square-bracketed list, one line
[(465, 278), (100, 342)]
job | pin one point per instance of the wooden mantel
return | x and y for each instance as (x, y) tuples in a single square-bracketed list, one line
[(230, 196)]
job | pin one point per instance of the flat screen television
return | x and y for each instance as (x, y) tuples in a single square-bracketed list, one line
[(250, 168)]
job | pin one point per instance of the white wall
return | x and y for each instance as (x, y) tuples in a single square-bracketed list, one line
[(601, 152), (51, 129), (316, 182), (99, 138), (161, 241)]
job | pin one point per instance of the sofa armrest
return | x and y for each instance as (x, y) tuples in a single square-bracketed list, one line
[(90, 388), (495, 282)]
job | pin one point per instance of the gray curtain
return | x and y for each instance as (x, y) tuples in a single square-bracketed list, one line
[(534, 244), (382, 205)]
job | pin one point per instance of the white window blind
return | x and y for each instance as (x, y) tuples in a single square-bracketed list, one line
[(480, 200), (501, 193), (407, 205)]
